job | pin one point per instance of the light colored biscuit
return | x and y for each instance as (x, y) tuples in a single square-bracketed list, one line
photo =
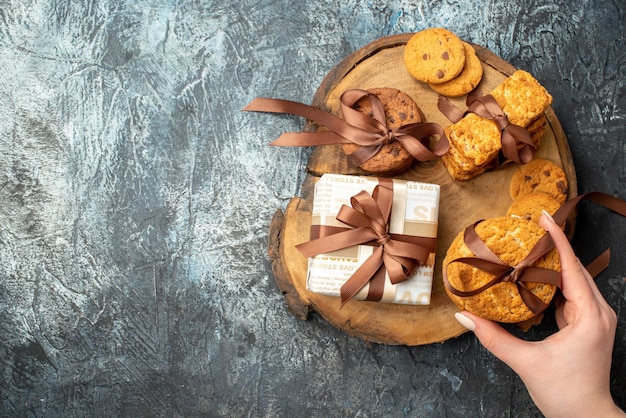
[(539, 175), (434, 55), (400, 110), (529, 206), (511, 239), (522, 98), (468, 78), (474, 143)]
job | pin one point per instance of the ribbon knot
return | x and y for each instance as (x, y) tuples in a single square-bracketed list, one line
[(514, 275), (369, 132), (394, 255), (383, 239), (389, 138), (502, 122)]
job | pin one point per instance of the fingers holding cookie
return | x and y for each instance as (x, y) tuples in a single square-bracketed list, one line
[(510, 239)]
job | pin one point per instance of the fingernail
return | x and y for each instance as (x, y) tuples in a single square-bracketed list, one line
[(465, 321), (547, 215)]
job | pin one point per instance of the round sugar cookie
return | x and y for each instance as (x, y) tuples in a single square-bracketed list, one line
[(539, 175), (467, 80), (511, 239), (400, 110), (434, 55)]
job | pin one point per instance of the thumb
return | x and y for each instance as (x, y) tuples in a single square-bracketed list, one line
[(505, 346)]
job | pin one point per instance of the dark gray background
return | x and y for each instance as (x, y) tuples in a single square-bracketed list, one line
[(136, 200)]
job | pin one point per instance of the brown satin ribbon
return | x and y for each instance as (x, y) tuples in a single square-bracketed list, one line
[(397, 255), (369, 132), (318, 231), (517, 145), (489, 262)]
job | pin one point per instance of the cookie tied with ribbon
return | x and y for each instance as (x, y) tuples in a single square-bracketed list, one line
[(507, 269), (502, 126), (375, 142), (515, 141), (504, 269)]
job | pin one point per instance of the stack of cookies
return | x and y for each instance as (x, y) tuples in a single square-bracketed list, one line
[(475, 142), (536, 186), (399, 110), (510, 239), (439, 58)]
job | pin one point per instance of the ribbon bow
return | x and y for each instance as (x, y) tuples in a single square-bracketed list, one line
[(369, 216), (369, 132), (489, 262), (517, 145), (523, 272)]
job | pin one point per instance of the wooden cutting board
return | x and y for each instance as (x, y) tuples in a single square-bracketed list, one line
[(380, 64)]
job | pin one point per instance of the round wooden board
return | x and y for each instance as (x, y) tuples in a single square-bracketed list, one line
[(380, 64)]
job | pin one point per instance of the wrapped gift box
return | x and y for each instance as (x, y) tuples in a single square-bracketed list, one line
[(414, 213)]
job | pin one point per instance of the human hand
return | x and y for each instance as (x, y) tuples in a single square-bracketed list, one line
[(568, 373)]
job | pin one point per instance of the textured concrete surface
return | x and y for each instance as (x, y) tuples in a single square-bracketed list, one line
[(136, 200)]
